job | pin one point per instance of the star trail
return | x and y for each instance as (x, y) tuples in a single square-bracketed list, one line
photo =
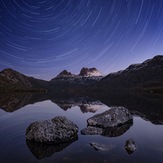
[(40, 38)]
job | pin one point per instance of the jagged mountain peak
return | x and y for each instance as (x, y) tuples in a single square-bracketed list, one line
[(84, 72), (89, 72), (64, 73), (68, 80)]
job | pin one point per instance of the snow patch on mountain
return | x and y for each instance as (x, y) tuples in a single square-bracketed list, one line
[(84, 75), (90, 72)]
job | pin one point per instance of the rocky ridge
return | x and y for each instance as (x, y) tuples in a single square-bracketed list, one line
[(146, 76), (90, 72)]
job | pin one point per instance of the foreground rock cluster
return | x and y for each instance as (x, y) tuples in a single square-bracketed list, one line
[(60, 130)]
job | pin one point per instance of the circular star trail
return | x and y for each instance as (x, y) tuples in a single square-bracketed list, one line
[(43, 37)]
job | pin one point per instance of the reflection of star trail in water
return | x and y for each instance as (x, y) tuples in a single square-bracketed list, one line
[(43, 37)]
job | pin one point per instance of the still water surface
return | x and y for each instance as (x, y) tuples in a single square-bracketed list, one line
[(14, 148)]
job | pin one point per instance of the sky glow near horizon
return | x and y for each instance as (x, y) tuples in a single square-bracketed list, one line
[(41, 38)]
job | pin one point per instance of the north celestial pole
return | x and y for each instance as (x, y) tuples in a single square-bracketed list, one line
[(40, 38)]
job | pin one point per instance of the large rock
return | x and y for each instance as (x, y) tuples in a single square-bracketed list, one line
[(114, 117), (111, 123), (56, 130)]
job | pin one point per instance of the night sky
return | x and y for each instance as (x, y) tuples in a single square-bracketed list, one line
[(40, 38)]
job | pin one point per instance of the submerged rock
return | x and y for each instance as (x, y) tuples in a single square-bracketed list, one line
[(130, 146), (116, 131), (56, 130), (114, 117), (100, 147), (92, 131), (108, 132)]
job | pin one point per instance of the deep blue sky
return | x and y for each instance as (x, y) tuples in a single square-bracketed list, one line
[(40, 38)]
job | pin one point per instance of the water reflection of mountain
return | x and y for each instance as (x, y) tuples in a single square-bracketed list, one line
[(13, 102), (41, 151), (149, 108), (86, 104)]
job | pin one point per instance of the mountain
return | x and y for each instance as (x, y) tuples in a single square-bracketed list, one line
[(146, 76), (11, 80), (65, 74), (89, 72), (67, 81)]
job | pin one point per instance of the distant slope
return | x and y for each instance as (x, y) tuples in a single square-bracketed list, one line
[(11, 80), (145, 75)]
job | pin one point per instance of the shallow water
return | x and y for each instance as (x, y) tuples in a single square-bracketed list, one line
[(14, 148)]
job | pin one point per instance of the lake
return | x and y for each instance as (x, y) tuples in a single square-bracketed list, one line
[(18, 111)]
